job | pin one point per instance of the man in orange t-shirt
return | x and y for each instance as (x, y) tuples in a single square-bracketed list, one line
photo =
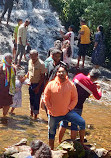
[(84, 34), (60, 98)]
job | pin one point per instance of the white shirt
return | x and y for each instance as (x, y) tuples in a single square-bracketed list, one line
[(71, 39), (22, 32)]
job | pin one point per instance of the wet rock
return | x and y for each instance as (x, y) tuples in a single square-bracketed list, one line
[(24, 148), (101, 152), (60, 154), (11, 150), (22, 142), (74, 148)]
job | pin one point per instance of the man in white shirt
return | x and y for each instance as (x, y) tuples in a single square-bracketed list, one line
[(21, 40)]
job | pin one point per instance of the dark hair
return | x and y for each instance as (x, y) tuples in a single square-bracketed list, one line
[(83, 20), (18, 20), (69, 51), (101, 30), (95, 73), (64, 65), (72, 27), (41, 149)]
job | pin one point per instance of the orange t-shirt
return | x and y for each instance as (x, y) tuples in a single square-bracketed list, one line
[(85, 38), (59, 97)]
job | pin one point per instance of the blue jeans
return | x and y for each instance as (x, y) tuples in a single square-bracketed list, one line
[(74, 126), (71, 116)]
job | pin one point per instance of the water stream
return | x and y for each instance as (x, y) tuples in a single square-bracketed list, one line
[(44, 27)]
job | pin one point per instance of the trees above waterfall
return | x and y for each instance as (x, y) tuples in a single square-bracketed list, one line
[(96, 12)]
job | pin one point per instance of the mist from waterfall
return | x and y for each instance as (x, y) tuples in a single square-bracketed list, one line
[(44, 27)]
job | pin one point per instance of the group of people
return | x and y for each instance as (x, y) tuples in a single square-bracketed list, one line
[(62, 98), (84, 36)]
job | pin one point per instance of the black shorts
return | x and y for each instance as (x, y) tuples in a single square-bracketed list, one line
[(83, 49)]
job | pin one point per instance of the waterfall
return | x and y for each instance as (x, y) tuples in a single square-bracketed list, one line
[(45, 24)]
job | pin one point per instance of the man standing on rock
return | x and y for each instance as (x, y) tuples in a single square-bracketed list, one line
[(86, 86), (8, 6), (21, 40), (84, 34), (60, 97)]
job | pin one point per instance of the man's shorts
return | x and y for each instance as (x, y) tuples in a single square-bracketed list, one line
[(83, 49)]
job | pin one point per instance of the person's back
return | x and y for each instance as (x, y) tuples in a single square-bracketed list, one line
[(84, 86), (85, 38)]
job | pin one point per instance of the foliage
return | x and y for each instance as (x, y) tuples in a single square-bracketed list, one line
[(96, 12), (100, 13), (70, 11)]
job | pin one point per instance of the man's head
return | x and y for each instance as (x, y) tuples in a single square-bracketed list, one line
[(34, 55), (8, 57), (27, 22), (62, 71), (56, 55), (82, 22), (94, 74), (40, 150), (57, 44), (71, 28), (19, 21)]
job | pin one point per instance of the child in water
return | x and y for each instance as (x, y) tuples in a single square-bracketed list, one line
[(17, 99)]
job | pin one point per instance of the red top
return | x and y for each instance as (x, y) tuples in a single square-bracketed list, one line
[(85, 88)]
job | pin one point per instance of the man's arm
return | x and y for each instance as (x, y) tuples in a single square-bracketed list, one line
[(65, 36), (82, 31), (97, 92), (47, 93), (74, 98)]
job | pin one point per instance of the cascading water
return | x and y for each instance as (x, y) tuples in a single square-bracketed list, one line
[(44, 27)]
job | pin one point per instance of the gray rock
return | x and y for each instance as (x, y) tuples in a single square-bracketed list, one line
[(74, 148), (11, 150), (22, 142), (60, 154), (24, 148), (21, 154)]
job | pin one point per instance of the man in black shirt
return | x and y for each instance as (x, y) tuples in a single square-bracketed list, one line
[(7, 7)]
